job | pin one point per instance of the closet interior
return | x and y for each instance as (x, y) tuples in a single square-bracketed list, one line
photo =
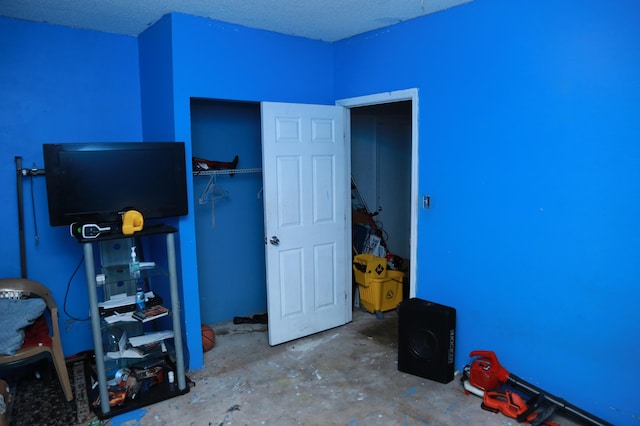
[(228, 209)]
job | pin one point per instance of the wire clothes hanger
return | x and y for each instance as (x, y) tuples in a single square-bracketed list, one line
[(211, 193)]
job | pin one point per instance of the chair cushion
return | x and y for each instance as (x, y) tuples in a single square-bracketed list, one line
[(15, 315), (37, 334)]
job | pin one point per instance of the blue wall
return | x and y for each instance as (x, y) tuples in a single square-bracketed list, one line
[(529, 147), (216, 60), (58, 85), (158, 117), (156, 81)]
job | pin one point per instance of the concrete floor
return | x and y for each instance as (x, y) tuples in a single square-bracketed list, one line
[(343, 376)]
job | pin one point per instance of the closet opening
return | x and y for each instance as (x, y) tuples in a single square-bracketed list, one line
[(381, 173), (228, 209)]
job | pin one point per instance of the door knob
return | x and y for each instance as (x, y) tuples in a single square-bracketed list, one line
[(274, 241)]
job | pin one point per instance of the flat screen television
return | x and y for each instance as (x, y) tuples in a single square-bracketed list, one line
[(98, 181)]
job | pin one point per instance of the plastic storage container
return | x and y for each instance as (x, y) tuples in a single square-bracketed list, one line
[(382, 294), (368, 266)]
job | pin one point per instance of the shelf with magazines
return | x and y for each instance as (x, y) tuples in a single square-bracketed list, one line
[(137, 335)]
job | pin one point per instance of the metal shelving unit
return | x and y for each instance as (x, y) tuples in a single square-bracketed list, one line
[(165, 391)]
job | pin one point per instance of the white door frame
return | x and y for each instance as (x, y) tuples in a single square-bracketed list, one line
[(383, 98)]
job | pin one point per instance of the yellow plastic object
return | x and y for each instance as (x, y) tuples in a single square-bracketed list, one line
[(368, 266), (132, 221), (382, 294)]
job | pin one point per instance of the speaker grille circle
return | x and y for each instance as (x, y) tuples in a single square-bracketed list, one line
[(424, 344)]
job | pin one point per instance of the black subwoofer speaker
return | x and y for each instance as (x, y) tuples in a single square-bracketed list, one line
[(426, 339)]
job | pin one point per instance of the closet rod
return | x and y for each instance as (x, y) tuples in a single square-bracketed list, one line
[(225, 172)]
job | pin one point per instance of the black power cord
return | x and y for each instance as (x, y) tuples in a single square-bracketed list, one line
[(64, 306)]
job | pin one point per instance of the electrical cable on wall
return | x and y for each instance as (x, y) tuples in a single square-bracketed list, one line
[(66, 294)]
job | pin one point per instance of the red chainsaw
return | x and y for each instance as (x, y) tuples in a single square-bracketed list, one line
[(486, 378)]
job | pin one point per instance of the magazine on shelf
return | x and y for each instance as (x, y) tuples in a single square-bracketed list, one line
[(151, 313)]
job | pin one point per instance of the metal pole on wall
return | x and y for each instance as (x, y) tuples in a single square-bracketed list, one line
[(20, 173), (23, 255)]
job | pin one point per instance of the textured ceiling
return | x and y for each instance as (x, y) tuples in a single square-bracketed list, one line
[(327, 20)]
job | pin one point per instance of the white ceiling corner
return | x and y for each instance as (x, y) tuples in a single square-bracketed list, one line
[(327, 20)]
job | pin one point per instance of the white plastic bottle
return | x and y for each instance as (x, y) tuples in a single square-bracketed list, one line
[(134, 264)]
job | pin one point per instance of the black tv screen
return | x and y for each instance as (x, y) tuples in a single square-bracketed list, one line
[(97, 182)]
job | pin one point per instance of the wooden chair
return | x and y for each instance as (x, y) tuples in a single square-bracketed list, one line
[(28, 355)]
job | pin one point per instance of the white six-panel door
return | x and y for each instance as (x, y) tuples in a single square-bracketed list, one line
[(307, 262)]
